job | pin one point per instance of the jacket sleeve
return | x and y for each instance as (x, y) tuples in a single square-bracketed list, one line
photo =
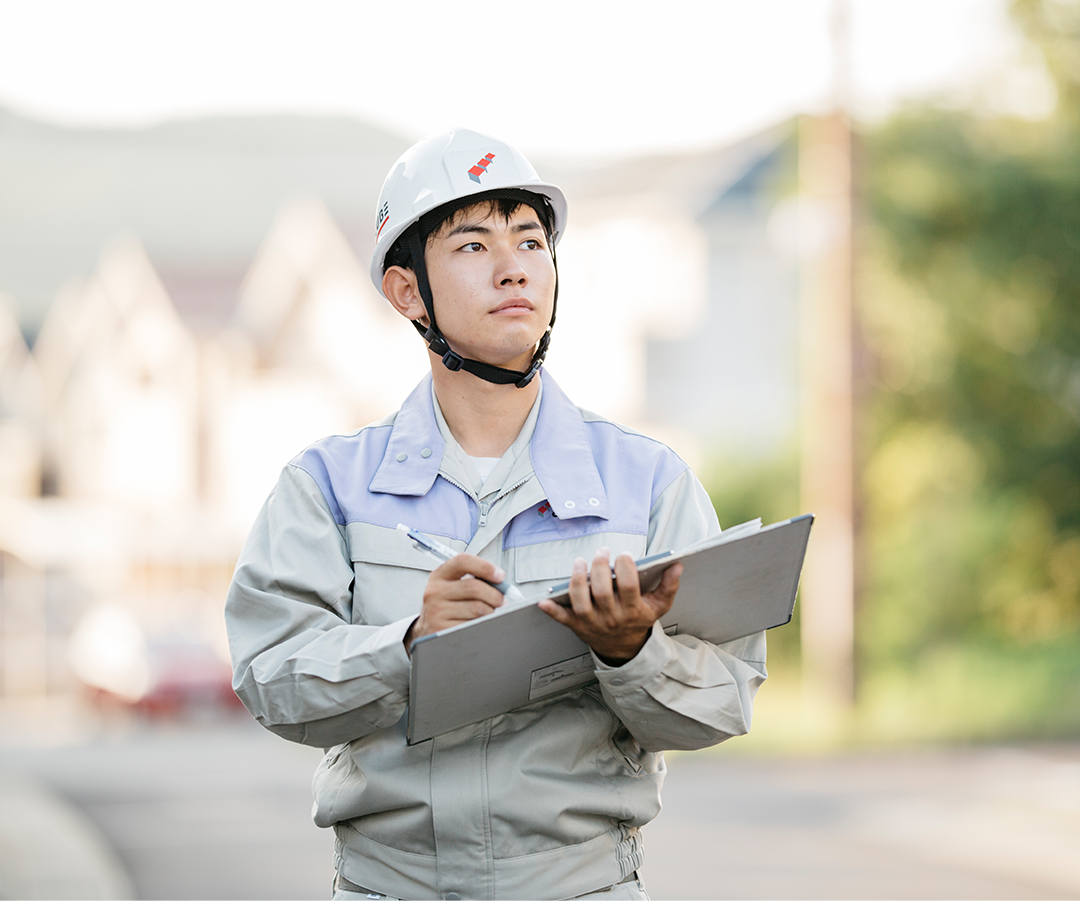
[(680, 692), (299, 664)]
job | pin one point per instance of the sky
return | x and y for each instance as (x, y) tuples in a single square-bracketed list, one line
[(572, 78)]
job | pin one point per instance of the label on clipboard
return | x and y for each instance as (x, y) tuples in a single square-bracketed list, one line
[(557, 677), (569, 673)]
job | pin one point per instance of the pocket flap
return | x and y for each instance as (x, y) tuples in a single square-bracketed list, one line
[(389, 547), (553, 561)]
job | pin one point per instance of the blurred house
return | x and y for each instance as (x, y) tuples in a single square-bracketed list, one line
[(21, 411), (120, 372), (687, 265), (162, 397), (312, 349)]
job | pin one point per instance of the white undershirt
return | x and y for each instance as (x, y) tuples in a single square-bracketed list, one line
[(477, 471), (484, 465)]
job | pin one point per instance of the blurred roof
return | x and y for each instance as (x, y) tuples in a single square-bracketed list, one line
[(205, 295), (201, 195), (692, 181)]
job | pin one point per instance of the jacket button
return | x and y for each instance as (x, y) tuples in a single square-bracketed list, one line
[(617, 682), (402, 457), (452, 896), (569, 505), (593, 502), (425, 453)]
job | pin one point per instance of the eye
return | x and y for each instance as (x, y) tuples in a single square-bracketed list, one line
[(532, 244), (472, 247)]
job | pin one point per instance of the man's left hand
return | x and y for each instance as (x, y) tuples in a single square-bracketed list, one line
[(612, 616)]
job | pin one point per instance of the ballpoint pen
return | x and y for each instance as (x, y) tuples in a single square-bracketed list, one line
[(442, 552)]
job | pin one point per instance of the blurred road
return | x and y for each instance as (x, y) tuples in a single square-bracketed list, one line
[(222, 810), (990, 822)]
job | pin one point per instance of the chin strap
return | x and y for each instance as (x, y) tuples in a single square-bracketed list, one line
[(495, 374), (453, 360)]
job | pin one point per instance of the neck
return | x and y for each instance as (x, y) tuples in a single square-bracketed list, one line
[(483, 418)]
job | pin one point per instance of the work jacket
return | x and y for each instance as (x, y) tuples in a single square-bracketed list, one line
[(542, 802)]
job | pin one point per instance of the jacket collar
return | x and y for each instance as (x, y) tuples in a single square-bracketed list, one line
[(563, 459), (560, 452), (405, 469)]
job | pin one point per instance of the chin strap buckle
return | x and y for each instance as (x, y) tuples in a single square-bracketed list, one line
[(436, 343), (451, 360), (530, 375), (538, 361), (494, 374)]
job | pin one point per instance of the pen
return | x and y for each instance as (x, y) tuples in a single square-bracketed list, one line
[(442, 552)]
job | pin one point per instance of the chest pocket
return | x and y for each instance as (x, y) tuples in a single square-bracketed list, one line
[(536, 567), (389, 574)]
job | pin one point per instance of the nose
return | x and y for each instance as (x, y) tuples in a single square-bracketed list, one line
[(510, 270)]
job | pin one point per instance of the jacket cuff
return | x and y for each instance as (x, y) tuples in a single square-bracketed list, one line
[(390, 656), (649, 663)]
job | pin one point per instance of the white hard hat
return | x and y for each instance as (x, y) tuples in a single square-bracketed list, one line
[(445, 168)]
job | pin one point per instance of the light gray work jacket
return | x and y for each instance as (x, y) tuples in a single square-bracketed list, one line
[(543, 802)]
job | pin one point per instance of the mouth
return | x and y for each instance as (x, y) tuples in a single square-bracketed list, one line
[(514, 305)]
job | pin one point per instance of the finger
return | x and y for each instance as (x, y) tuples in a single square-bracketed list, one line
[(472, 571), (470, 565), (438, 613), (580, 600), (627, 580), (556, 611), (663, 596), (443, 616), (463, 611), (463, 590), (603, 588)]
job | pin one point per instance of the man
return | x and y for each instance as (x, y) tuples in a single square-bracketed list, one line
[(489, 456)]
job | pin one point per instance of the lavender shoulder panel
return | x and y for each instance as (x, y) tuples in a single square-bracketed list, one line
[(634, 469), (343, 467), (631, 462)]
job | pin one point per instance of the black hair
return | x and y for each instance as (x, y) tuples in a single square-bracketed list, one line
[(503, 201)]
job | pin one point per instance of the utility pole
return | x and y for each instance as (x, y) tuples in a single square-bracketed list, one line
[(826, 375)]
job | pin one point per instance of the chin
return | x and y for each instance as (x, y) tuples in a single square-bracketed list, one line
[(518, 356)]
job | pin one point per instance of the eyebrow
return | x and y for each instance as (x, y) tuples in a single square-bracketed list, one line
[(477, 228)]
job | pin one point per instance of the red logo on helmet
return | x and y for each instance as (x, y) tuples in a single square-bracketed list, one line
[(481, 167)]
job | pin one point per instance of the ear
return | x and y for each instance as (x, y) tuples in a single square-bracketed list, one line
[(399, 286)]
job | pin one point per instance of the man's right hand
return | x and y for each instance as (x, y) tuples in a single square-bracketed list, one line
[(456, 592)]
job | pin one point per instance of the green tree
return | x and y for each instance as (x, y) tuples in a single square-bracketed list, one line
[(970, 308)]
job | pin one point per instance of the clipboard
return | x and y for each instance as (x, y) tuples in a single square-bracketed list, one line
[(743, 581)]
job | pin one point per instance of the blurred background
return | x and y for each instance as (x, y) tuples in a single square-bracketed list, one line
[(833, 249)]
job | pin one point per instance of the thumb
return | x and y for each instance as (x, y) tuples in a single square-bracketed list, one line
[(663, 596)]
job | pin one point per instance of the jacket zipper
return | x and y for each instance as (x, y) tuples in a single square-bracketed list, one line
[(458, 485), (485, 508), (513, 487)]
